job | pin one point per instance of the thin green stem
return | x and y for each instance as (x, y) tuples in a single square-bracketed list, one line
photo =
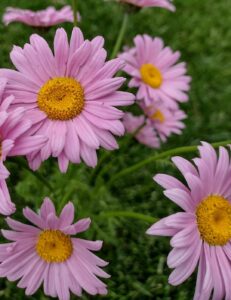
[(66, 198), (168, 153), (133, 134), (23, 164), (100, 170), (120, 36), (97, 169), (128, 214), (75, 12)]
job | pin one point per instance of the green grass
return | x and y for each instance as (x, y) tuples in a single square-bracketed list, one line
[(201, 31)]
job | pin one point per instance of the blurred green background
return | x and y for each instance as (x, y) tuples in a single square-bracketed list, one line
[(201, 31)]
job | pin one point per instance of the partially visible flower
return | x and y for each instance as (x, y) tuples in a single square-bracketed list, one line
[(145, 132), (152, 3), (165, 120), (69, 96), (156, 73), (201, 234), (43, 18), (14, 140), (46, 253)]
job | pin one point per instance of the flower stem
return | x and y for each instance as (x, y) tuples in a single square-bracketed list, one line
[(75, 12), (95, 173), (171, 152), (66, 198), (108, 159), (120, 36), (21, 163), (128, 214)]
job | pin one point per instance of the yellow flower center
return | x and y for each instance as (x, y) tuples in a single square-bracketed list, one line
[(54, 246), (151, 75), (61, 98), (158, 116), (214, 220)]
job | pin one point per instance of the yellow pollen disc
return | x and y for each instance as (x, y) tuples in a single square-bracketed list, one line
[(61, 98), (54, 246), (214, 220), (151, 75), (158, 116)]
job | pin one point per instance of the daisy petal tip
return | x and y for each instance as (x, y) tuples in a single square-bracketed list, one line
[(47, 200), (150, 230), (156, 178)]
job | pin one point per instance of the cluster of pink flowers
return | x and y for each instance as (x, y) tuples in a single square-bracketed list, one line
[(43, 18), (162, 84), (62, 103)]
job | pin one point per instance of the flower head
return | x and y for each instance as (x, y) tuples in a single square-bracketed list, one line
[(166, 121), (69, 96), (46, 253), (151, 3), (201, 234), (43, 18), (14, 140), (145, 132), (156, 73)]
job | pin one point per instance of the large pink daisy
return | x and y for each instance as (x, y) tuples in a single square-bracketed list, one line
[(152, 3), (166, 121), (69, 96), (201, 234), (14, 140), (42, 18), (156, 73), (145, 132), (46, 253)]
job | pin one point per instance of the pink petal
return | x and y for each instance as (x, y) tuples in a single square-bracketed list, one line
[(61, 50), (47, 208)]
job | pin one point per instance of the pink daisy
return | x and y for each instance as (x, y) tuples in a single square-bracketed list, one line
[(43, 18), (46, 253), (165, 120), (14, 140), (152, 3), (156, 73), (201, 234), (146, 134), (69, 96)]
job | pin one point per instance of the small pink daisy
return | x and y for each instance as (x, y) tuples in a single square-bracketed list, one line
[(165, 120), (46, 253), (14, 140), (146, 135), (69, 96), (43, 18), (152, 3), (201, 234), (156, 73)]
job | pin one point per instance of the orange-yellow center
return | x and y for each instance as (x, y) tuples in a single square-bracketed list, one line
[(158, 116), (61, 98), (214, 220), (54, 246), (151, 75)]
